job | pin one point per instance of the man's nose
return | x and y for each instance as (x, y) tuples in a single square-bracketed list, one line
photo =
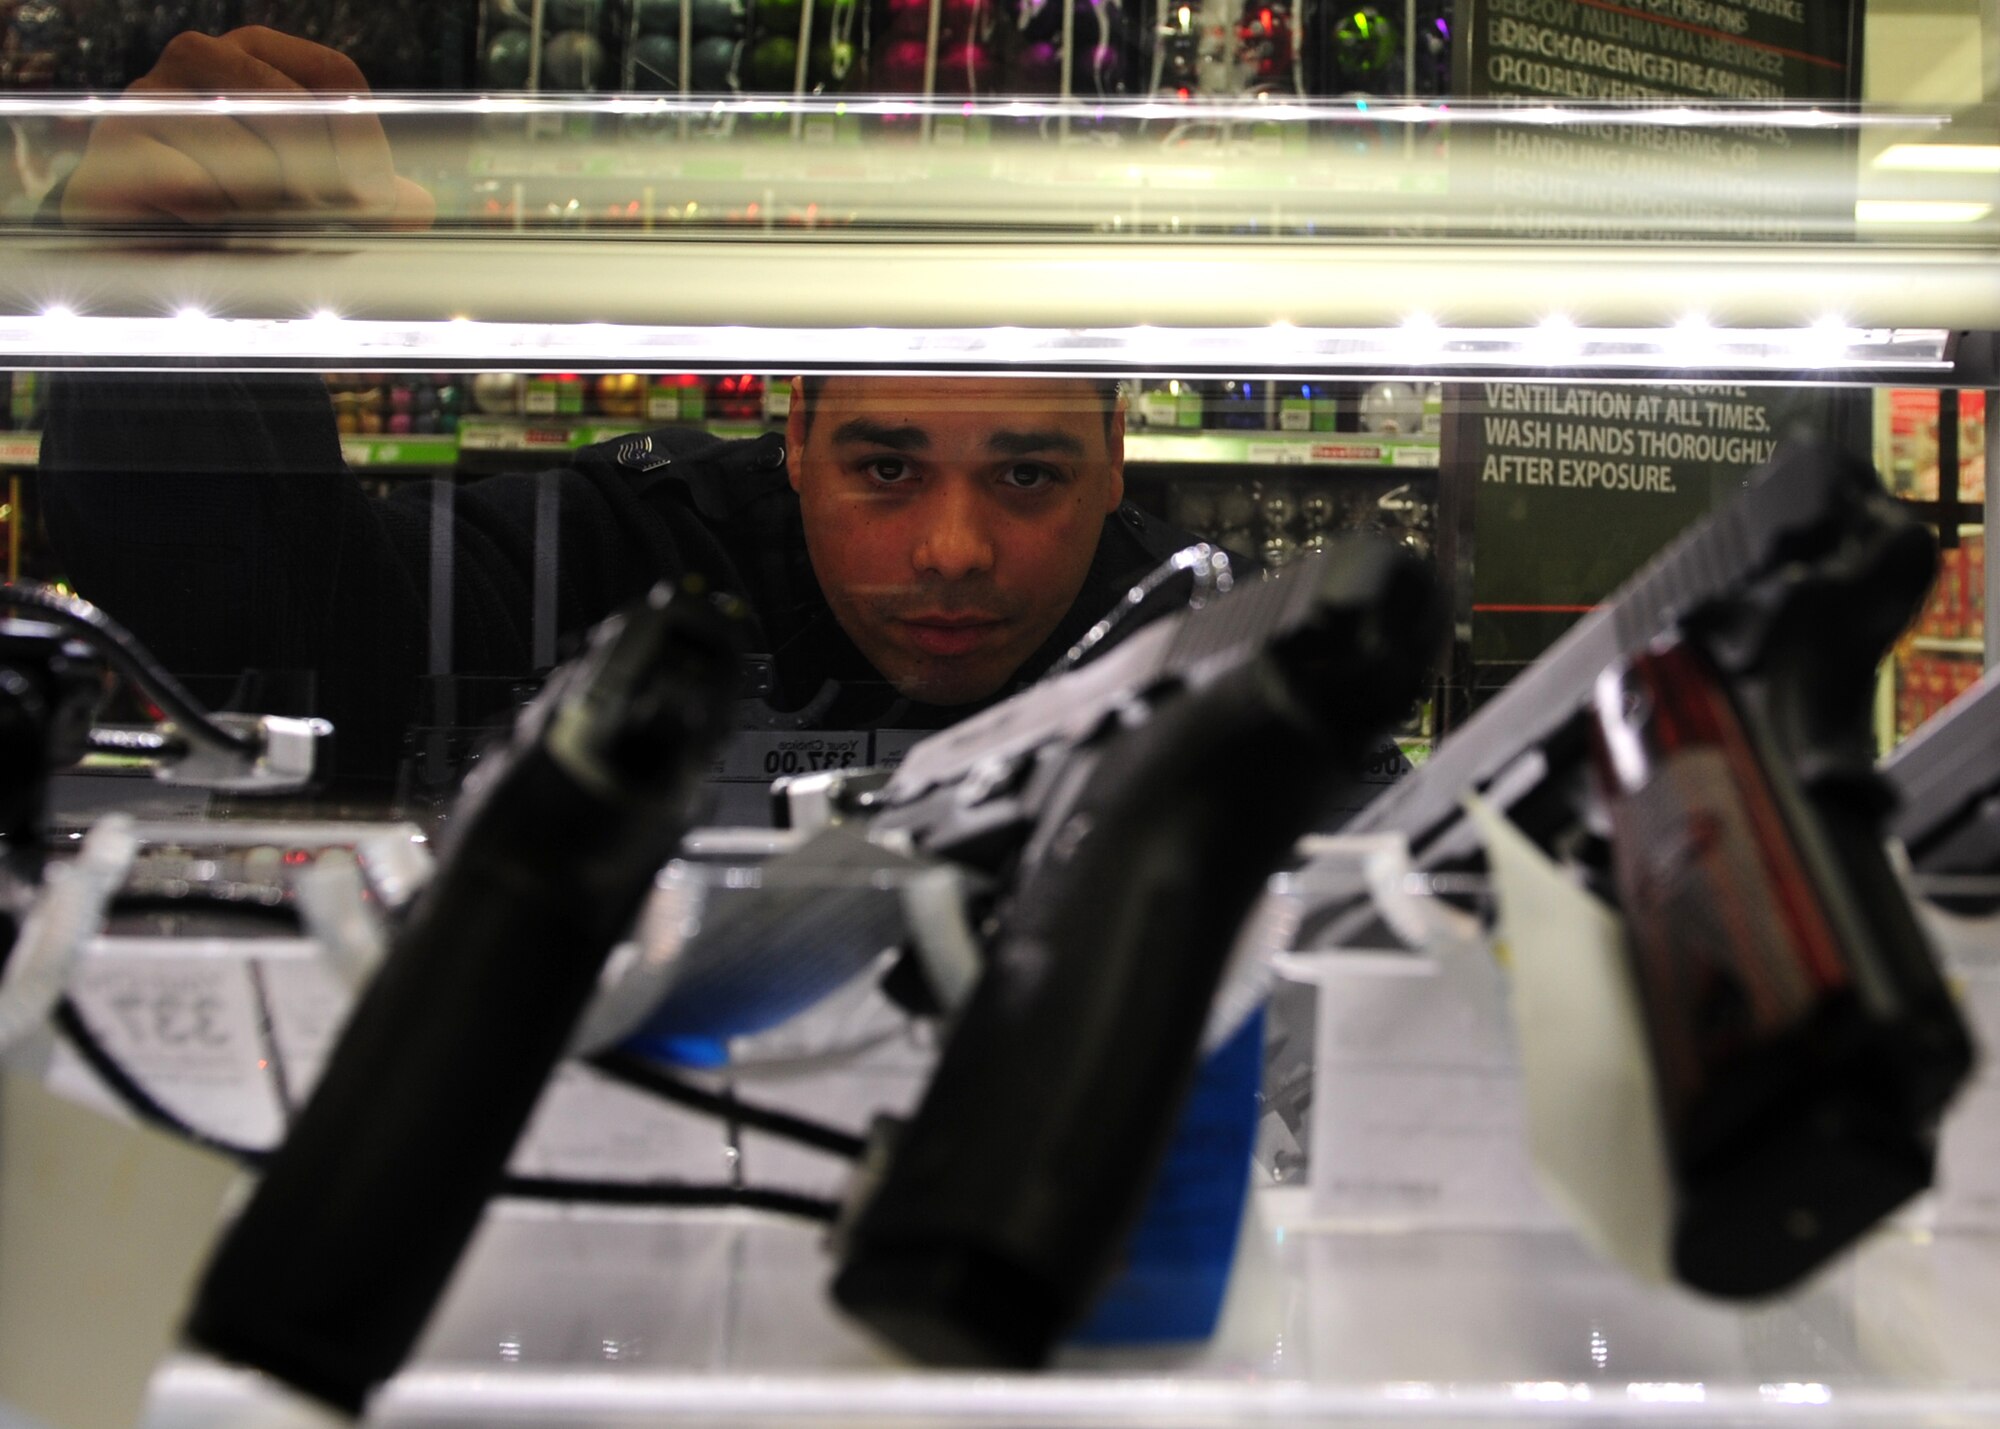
[(953, 541)]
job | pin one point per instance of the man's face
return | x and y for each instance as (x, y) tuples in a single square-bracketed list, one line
[(951, 521)]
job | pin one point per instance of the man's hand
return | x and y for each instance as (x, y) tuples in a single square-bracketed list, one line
[(229, 168)]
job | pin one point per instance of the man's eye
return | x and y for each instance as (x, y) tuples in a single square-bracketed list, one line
[(1029, 476), (887, 470)]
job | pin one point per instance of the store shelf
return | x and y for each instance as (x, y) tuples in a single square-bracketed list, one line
[(23, 449), (775, 302), (532, 434), (555, 435), (560, 434), (520, 436), (1280, 449), (394, 451)]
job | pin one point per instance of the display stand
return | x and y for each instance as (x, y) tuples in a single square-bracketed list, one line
[(1419, 1277)]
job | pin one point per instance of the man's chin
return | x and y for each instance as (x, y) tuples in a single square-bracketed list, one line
[(948, 687)]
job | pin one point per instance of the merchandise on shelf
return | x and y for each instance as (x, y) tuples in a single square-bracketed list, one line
[(576, 49), (1393, 409), (1956, 606), (1927, 681), (1307, 407), (736, 398), (497, 394), (621, 394), (1912, 447), (1089, 49), (399, 404), (1170, 405), (1363, 49), (1273, 519), (676, 397), (553, 394), (1239, 404), (24, 400)]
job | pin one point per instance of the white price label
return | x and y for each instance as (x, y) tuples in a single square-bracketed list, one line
[(892, 744), (740, 777), (1417, 1087), (760, 754), (186, 1026)]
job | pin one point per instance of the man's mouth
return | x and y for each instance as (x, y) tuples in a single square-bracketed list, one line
[(947, 635)]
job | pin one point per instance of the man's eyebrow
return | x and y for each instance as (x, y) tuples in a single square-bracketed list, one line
[(881, 434), (1027, 443)]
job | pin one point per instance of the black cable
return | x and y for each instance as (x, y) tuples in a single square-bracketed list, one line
[(130, 659), (671, 1193), (150, 1110), (140, 1102), (638, 1072)]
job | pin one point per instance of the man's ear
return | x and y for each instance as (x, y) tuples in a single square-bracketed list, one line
[(1115, 440), (795, 432)]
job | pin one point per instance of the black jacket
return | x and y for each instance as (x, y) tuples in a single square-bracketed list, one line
[(214, 515)]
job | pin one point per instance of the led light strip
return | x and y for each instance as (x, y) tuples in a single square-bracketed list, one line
[(1678, 115), (59, 337)]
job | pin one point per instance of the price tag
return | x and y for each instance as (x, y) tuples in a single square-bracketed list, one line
[(186, 1026), (583, 1126), (740, 777), (1349, 453), (1275, 454), (1381, 766), (1418, 1112), (892, 744)]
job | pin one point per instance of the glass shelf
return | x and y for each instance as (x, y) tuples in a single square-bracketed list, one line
[(644, 233), (605, 1318)]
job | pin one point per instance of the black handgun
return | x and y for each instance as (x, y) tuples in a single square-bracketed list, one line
[(1947, 782), (331, 1270), (1805, 1042), (1129, 812)]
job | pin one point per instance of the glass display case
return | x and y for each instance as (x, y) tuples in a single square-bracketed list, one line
[(362, 406)]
